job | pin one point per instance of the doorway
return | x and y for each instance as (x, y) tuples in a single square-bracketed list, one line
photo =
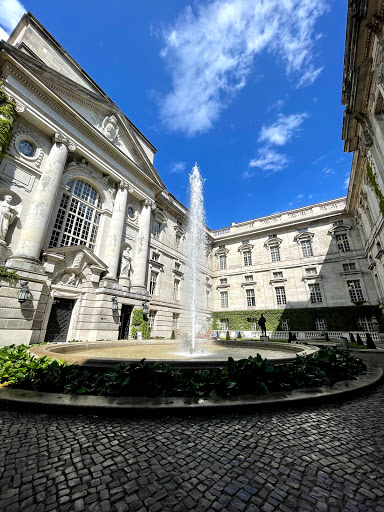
[(125, 318), (59, 320)]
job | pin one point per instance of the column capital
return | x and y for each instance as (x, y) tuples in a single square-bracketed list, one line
[(62, 139), (126, 186), (149, 202)]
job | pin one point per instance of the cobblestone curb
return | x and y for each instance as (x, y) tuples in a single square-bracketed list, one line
[(38, 402)]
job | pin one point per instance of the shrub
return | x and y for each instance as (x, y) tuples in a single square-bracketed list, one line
[(370, 342), (227, 336), (239, 336), (173, 336), (359, 341)]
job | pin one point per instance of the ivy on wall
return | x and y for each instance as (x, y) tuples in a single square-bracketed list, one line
[(372, 181), (139, 324), (8, 274), (7, 119), (301, 319)]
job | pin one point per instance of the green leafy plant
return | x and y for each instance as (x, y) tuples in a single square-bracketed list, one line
[(372, 180), (7, 119), (139, 324), (227, 336), (5, 273)]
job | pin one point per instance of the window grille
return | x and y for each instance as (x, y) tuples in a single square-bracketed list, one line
[(247, 258), (254, 323), (365, 324), (315, 293), (311, 271), (156, 229), (277, 275), (176, 284), (349, 266), (355, 291), (342, 243), (284, 324), (321, 324), (178, 241), (249, 278), (281, 298), (78, 218), (250, 298), (223, 262), (224, 299), (275, 254), (306, 248), (224, 281), (152, 283), (223, 324)]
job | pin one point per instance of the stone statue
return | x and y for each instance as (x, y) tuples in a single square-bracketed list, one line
[(126, 262), (7, 215)]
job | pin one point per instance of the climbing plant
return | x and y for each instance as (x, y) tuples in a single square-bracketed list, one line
[(301, 319), (372, 181), (7, 119), (8, 274), (139, 324)]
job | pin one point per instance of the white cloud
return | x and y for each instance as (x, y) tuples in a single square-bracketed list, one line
[(278, 105), (299, 196), (269, 160), (10, 13), (328, 170), (247, 174), (346, 181), (310, 196), (319, 159), (210, 53), (177, 167), (282, 130), (3, 34), (290, 203)]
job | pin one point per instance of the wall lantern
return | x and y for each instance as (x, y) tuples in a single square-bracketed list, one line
[(115, 305), (24, 293), (145, 311)]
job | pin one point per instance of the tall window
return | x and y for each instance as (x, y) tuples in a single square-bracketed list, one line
[(222, 262), (321, 324), (207, 297), (355, 291), (315, 293), (281, 298), (275, 253), (178, 241), (151, 320), (175, 320), (224, 299), (156, 229), (342, 243), (78, 217), (284, 324), (223, 324), (176, 284), (365, 324), (349, 266), (247, 258), (254, 323), (152, 283), (250, 298), (306, 248)]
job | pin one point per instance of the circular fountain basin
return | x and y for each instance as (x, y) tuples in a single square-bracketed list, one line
[(207, 353)]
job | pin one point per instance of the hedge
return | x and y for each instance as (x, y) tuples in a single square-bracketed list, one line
[(301, 319)]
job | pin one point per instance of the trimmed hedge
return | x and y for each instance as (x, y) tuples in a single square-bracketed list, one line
[(301, 319)]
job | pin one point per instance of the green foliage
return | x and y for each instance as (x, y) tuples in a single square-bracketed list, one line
[(7, 118), (302, 319), (372, 180), (139, 324), (227, 336), (239, 336), (8, 274), (250, 376), (173, 335)]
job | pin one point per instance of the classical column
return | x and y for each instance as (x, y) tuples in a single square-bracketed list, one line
[(113, 242), (40, 212), (140, 260)]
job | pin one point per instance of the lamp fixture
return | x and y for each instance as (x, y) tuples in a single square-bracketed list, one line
[(115, 305), (145, 311), (24, 293)]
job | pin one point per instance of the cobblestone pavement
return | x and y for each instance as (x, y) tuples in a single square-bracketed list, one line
[(324, 458)]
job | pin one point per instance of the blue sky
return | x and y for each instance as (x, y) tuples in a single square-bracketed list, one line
[(248, 89)]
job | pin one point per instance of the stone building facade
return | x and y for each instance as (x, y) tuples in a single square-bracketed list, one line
[(91, 232)]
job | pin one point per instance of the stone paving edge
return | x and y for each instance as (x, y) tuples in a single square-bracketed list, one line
[(59, 402)]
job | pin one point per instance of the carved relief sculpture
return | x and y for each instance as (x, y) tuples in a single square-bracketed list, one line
[(7, 215), (110, 128), (126, 262)]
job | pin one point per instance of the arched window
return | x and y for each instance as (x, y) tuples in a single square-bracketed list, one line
[(78, 217)]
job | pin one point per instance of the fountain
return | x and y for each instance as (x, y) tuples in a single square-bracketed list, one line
[(195, 249), (106, 354)]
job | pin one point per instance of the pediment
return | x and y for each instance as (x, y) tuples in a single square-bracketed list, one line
[(76, 257)]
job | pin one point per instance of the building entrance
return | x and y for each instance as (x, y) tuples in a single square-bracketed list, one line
[(59, 319), (124, 321)]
